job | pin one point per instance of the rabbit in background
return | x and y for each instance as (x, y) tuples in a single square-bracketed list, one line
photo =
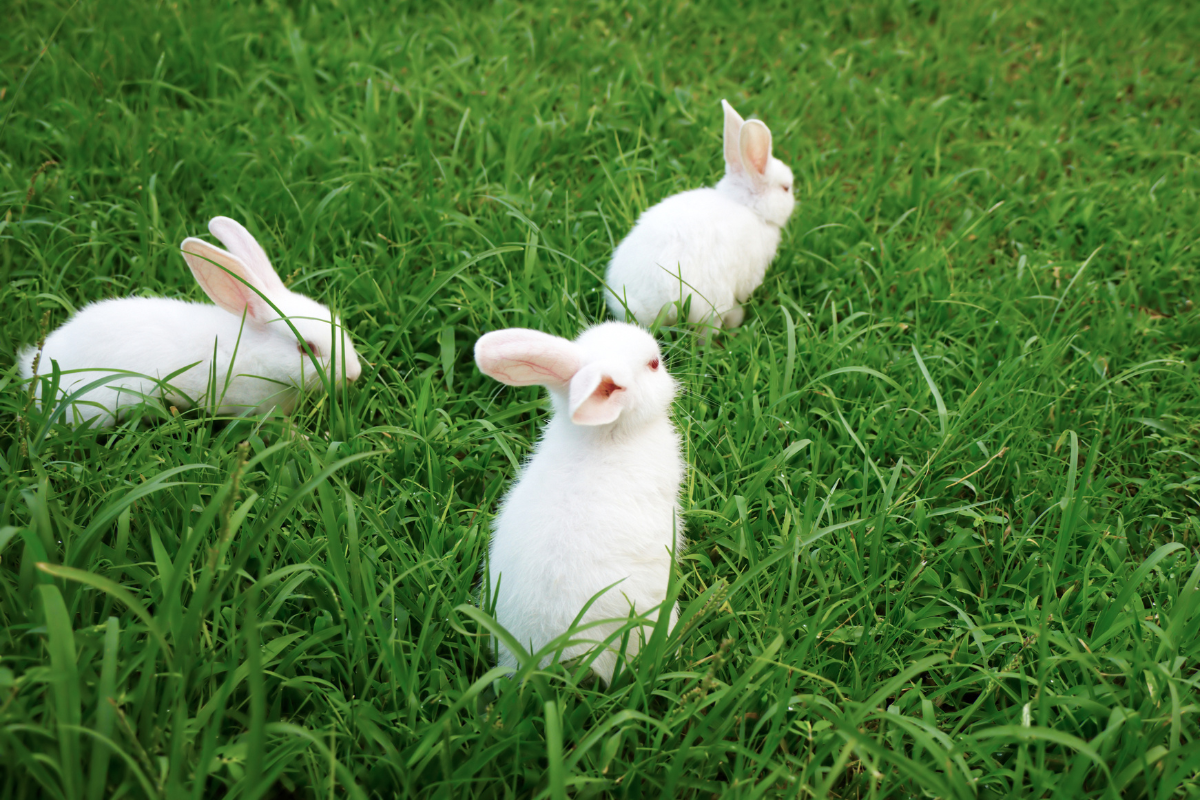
[(713, 243), (597, 503), (241, 345)]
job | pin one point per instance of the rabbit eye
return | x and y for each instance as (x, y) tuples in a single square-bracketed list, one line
[(315, 350), (787, 187), (653, 364)]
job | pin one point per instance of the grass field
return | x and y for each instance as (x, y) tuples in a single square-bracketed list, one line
[(942, 499)]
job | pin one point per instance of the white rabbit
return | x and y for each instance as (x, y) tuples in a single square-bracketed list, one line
[(712, 243), (253, 365), (598, 501)]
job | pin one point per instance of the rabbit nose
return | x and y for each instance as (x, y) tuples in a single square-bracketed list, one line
[(353, 370)]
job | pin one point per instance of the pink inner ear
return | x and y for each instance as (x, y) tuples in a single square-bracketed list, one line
[(594, 397), (225, 290), (607, 387), (756, 146)]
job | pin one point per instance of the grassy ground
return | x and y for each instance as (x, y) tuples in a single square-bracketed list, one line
[(943, 488)]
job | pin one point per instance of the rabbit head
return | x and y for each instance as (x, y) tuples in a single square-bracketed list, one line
[(611, 375), (753, 176), (313, 321)]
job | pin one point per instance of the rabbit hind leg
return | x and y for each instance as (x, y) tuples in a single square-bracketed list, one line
[(733, 317)]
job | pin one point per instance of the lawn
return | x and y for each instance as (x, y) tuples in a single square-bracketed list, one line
[(942, 499)]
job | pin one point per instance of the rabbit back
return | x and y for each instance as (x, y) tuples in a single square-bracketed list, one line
[(701, 243)]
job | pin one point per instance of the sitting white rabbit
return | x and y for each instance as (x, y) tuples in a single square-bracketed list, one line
[(597, 503), (254, 364), (713, 243)]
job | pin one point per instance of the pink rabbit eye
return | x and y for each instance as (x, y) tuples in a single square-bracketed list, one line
[(787, 187), (653, 364), (315, 350)]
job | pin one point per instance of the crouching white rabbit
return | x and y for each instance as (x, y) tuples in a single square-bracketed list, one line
[(597, 503), (241, 347), (713, 243)]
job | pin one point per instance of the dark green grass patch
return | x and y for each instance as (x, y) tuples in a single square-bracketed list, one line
[(942, 503)]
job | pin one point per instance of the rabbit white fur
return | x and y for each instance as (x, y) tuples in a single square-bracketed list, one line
[(598, 501), (712, 243), (255, 365)]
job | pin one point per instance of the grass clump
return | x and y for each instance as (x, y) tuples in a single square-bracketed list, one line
[(942, 499)]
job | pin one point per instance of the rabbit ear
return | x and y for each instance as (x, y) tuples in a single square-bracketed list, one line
[(522, 357), (225, 290), (243, 245), (595, 396), (755, 147), (733, 130)]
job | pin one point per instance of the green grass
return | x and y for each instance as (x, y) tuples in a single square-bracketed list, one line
[(942, 502)]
